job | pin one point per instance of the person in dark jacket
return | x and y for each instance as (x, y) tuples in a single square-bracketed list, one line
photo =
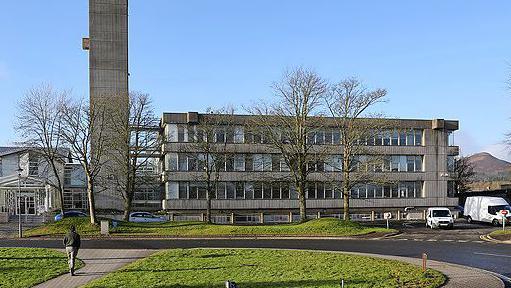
[(72, 244)]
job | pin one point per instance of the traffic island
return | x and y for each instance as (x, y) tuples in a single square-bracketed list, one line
[(324, 227), (503, 236), (267, 268), (26, 267)]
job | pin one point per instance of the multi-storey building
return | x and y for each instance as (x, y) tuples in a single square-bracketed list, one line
[(416, 155)]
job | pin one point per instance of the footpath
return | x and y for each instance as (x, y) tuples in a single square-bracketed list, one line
[(458, 276), (98, 262)]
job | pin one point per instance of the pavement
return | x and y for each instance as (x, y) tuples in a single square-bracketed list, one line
[(98, 262)]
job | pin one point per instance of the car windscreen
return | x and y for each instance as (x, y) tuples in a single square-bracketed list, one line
[(495, 209), (441, 213)]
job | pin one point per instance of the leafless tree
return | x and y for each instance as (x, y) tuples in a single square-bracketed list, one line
[(463, 174), (349, 101), (289, 120), (82, 122), (209, 143), (39, 124), (136, 144)]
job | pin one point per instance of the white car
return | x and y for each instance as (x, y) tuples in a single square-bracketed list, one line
[(438, 217), (145, 217)]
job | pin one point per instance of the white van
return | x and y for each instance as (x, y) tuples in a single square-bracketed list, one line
[(486, 209), (438, 217)]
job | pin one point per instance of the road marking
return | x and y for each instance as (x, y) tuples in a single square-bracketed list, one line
[(478, 241), (447, 240), (417, 239), (431, 240), (462, 241), (490, 254)]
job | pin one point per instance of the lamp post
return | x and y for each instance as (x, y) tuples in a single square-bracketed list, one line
[(20, 228)]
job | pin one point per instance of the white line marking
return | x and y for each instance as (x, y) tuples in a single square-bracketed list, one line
[(490, 254), (431, 240), (462, 241), (478, 241), (448, 240)]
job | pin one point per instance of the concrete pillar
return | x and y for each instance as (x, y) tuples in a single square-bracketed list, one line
[(319, 214), (232, 218), (424, 214), (290, 217), (261, 217), (171, 217), (372, 216), (398, 215), (202, 217)]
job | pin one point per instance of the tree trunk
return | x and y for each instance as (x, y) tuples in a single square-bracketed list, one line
[(208, 207), (346, 196), (127, 208), (90, 197), (301, 198), (60, 188)]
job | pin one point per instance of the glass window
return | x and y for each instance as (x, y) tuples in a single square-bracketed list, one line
[(362, 191), (183, 162), (409, 138), (395, 191), (181, 133), (258, 162), (402, 138), (33, 164), (311, 138), (451, 189), (249, 190), (249, 162), (193, 190), (410, 163), (336, 137), (275, 162), (267, 163), (328, 136), (402, 164), (239, 162), (240, 190), (258, 190), (355, 192), (378, 139), (238, 134), (230, 189), (229, 135), (418, 137), (183, 187), (192, 163), (311, 190), (266, 190), (220, 190), (275, 190), (283, 165), (320, 190), (394, 165), (219, 135), (418, 163), (387, 135), (395, 138), (284, 189), (386, 163), (328, 191), (320, 137), (451, 163), (248, 137), (293, 194), (338, 191), (202, 190), (229, 163), (386, 191)]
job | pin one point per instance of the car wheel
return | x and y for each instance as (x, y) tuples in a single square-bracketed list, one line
[(495, 222), (469, 219)]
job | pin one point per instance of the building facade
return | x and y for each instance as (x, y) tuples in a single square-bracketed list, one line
[(416, 158)]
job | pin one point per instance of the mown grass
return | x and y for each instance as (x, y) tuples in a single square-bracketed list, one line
[(26, 267), (318, 227), (187, 268), (503, 235)]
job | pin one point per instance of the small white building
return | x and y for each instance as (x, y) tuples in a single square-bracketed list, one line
[(27, 184)]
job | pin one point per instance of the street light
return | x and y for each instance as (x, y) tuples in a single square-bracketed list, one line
[(20, 228)]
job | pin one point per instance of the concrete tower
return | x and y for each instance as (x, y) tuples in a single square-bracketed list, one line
[(108, 77)]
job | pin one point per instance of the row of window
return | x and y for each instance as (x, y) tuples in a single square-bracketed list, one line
[(276, 163), (237, 134), (147, 194), (283, 190)]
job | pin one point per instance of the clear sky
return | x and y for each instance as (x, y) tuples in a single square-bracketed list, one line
[(438, 59)]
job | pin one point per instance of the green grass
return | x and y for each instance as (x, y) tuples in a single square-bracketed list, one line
[(25, 267), (318, 227), (194, 268), (503, 235)]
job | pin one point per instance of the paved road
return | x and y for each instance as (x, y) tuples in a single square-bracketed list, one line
[(488, 256)]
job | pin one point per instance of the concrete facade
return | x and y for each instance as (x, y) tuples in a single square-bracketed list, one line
[(108, 76), (428, 143)]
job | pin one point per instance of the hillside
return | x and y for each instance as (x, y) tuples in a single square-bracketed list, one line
[(488, 167)]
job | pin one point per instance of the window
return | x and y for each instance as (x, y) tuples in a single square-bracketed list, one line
[(193, 190), (336, 137), (239, 162), (284, 189), (201, 190), (394, 165), (33, 165), (192, 163), (451, 163), (395, 138), (320, 137), (328, 191), (266, 190), (240, 190), (258, 190), (267, 162), (183, 162), (386, 138), (219, 135), (183, 190), (410, 138), (328, 137), (249, 162), (231, 189), (275, 190), (320, 190), (402, 138), (410, 163), (451, 189), (229, 163), (220, 190), (418, 163), (275, 162), (258, 162), (238, 134), (418, 137), (311, 190), (182, 133), (249, 190)]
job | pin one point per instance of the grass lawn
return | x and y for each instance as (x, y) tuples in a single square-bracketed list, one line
[(318, 227), (25, 267), (187, 268), (503, 235)]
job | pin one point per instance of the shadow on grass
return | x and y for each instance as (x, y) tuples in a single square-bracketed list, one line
[(32, 258), (281, 284)]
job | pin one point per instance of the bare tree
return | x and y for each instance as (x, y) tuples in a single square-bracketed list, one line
[(136, 145), (209, 143), (83, 121), (40, 123), (349, 101), (289, 120), (463, 174)]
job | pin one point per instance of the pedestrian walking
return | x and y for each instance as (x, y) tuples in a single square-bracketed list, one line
[(72, 244)]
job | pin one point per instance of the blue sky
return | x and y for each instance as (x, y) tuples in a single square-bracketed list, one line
[(437, 59)]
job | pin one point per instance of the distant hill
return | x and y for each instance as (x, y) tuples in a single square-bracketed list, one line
[(489, 167)]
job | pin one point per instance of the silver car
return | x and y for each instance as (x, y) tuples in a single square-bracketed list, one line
[(145, 217)]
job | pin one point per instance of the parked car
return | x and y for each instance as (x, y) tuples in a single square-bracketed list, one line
[(70, 213), (438, 217), (145, 217), (486, 209)]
